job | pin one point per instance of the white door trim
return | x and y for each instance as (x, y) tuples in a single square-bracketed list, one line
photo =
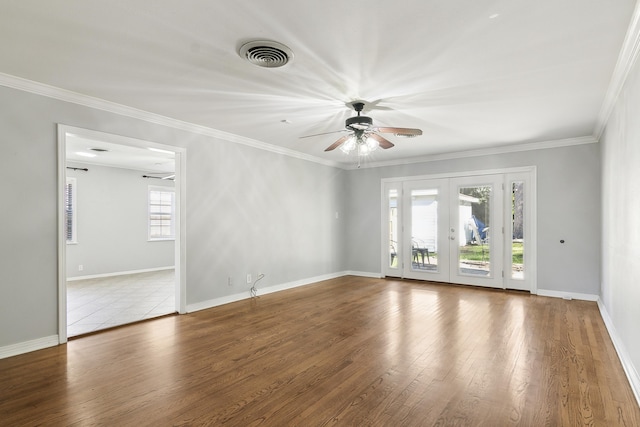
[(441, 185), (460, 174), (180, 189), (528, 172), (530, 226), (496, 277)]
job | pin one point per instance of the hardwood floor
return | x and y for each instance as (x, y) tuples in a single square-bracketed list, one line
[(349, 352)]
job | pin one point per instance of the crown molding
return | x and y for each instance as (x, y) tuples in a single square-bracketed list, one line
[(626, 60), (112, 107), (490, 151), (42, 89)]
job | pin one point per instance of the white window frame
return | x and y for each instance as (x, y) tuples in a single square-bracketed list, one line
[(172, 219), (70, 181)]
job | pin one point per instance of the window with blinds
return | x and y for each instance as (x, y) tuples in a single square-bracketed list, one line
[(161, 213), (70, 210)]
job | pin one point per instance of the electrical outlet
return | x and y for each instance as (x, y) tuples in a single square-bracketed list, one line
[(80, 267), (249, 278)]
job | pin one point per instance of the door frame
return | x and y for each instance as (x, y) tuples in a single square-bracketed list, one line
[(442, 274), (527, 173), (496, 231), (180, 214)]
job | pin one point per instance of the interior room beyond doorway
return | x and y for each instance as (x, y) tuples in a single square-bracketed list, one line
[(120, 224)]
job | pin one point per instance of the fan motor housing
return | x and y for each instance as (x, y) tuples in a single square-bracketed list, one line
[(358, 123)]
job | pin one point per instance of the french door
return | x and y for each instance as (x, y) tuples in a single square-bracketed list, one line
[(455, 229)]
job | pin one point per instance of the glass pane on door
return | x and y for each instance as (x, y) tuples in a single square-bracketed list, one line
[(474, 245), (517, 230), (393, 228), (424, 230)]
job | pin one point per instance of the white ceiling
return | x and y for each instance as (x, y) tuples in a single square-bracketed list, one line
[(118, 155), (538, 71)]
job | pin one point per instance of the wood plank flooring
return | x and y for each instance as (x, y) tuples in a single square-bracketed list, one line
[(347, 352)]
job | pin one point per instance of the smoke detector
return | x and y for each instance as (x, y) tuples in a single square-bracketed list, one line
[(266, 53)]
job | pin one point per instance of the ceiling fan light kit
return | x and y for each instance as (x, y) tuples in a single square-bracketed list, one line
[(365, 137), (363, 144)]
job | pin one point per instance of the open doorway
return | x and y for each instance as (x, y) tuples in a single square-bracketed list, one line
[(120, 231)]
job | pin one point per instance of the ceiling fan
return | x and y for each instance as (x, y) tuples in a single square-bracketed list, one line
[(363, 136)]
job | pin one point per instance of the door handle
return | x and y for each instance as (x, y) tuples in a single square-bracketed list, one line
[(453, 237)]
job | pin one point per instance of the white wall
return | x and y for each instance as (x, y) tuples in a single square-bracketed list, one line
[(621, 225), (247, 210), (112, 223), (568, 203)]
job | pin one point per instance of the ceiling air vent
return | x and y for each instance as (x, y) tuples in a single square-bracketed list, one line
[(264, 53)]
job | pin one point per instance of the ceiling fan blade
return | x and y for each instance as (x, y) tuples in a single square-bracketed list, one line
[(400, 131), (382, 142), (324, 133), (337, 143)]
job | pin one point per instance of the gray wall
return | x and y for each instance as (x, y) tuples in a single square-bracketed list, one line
[(112, 223), (247, 211), (252, 211), (621, 221), (568, 207)]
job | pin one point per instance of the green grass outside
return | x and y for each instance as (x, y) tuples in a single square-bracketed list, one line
[(517, 250), (475, 253), (481, 253)]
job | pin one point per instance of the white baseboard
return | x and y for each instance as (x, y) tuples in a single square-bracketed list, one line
[(118, 273), (263, 291), (28, 346), (623, 354), (567, 295), (363, 274)]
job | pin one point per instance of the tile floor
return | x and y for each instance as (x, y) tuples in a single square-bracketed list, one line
[(95, 304)]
